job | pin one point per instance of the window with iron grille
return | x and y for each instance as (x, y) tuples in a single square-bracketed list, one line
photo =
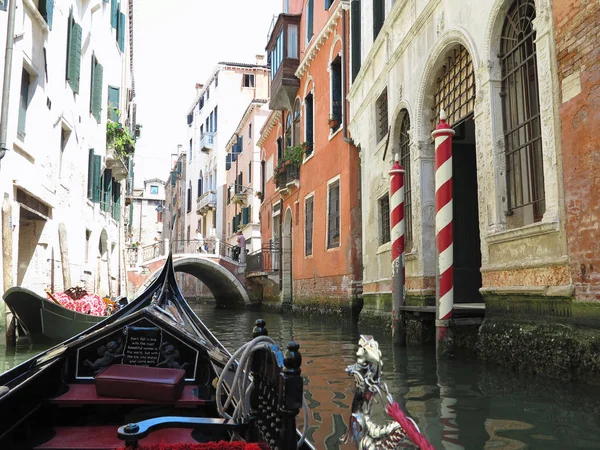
[(456, 88), (308, 226), (333, 216), (404, 148), (521, 113), (381, 107), (384, 219)]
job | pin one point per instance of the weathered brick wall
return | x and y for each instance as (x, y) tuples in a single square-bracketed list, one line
[(329, 291), (577, 32)]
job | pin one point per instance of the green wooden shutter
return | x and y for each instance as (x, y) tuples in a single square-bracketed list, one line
[(113, 103), (90, 186), (97, 91), (74, 57), (121, 31), (96, 186), (114, 13), (245, 216), (48, 12), (107, 190), (116, 188)]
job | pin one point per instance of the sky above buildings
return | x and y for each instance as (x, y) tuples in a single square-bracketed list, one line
[(176, 45)]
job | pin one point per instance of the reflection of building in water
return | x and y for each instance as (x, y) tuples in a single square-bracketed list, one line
[(493, 426)]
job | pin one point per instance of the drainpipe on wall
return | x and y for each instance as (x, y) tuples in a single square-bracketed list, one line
[(10, 34)]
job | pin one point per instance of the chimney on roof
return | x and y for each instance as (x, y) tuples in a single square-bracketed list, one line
[(260, 60), (199, 87)]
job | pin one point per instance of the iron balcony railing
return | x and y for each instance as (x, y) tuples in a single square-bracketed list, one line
[(289, 174), (265, 260)]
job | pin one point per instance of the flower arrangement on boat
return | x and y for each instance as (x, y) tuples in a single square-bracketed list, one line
[(81, 301)]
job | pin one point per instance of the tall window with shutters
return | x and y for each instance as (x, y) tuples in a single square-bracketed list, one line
[(94, 176), (120, 34), (333, 215), (46, 9), (96, 89), (74, 34), (308, 226)]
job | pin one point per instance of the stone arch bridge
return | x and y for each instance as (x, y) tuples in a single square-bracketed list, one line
[(216, 267)]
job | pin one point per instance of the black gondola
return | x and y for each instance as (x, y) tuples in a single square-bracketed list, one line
[(153, 373), (44, 321)]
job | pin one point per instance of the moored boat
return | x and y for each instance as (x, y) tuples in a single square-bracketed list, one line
[(44, 320), (153, 373)]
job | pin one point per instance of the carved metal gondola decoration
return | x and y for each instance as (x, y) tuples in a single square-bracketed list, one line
[(367, 434)]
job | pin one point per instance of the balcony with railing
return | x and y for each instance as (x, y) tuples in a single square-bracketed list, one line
[(287, 178), (283, 48), (264, 261), (206, 202), (207, 142), (240, 194), (119, 164)]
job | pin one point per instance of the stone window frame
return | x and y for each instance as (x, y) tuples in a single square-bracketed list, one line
[(332, 57), (381, 113), (331, 182), (308, 197), (384, 234), (490, 77)]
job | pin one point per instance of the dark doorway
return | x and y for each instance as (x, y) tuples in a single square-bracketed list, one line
[(467, 246)]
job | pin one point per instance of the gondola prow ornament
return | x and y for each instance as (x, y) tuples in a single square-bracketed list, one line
[(362, 429)]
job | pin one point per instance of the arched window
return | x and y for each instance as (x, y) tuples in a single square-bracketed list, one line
[(296, 119), (404, 150), (521, 113)]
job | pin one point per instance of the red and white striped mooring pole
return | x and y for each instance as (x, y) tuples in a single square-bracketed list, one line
[(443, 227), (397, 235)]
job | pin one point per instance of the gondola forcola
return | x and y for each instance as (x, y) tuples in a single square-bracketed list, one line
[(152, 373), (362, 429)]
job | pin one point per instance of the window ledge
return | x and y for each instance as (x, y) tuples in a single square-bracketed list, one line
[(20, 148), (332, 135), (333, 249), (309, 157), (35, 12), (527, 231), (384, 248)]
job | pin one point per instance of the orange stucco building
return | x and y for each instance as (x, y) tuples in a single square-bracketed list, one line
[(311, 207)]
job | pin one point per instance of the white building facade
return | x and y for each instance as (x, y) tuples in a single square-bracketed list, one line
[(410, 60), (212, 120), (63, 193), (245, 177), (145, 226)]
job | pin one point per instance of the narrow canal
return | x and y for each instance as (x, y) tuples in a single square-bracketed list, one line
[(458, 404)]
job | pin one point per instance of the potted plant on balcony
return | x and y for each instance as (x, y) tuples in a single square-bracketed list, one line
[(333, 122), (119, 138), (259, 194)]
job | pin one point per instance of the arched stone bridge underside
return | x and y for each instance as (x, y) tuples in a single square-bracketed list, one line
[(226, 287)]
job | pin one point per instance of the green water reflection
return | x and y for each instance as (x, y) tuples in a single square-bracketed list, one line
[(461, 404)]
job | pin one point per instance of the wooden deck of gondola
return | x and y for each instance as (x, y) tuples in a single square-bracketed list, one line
[(85, 394)]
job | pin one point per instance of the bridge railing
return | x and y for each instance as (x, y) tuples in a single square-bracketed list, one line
[(209, 247), (264, 260)]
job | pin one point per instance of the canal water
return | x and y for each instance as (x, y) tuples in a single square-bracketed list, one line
[(462, 404)]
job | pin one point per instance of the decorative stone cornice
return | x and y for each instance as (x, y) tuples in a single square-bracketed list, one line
[(268, 127), (320, 39)]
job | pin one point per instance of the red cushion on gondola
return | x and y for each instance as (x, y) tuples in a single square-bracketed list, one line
[(140, 382)]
